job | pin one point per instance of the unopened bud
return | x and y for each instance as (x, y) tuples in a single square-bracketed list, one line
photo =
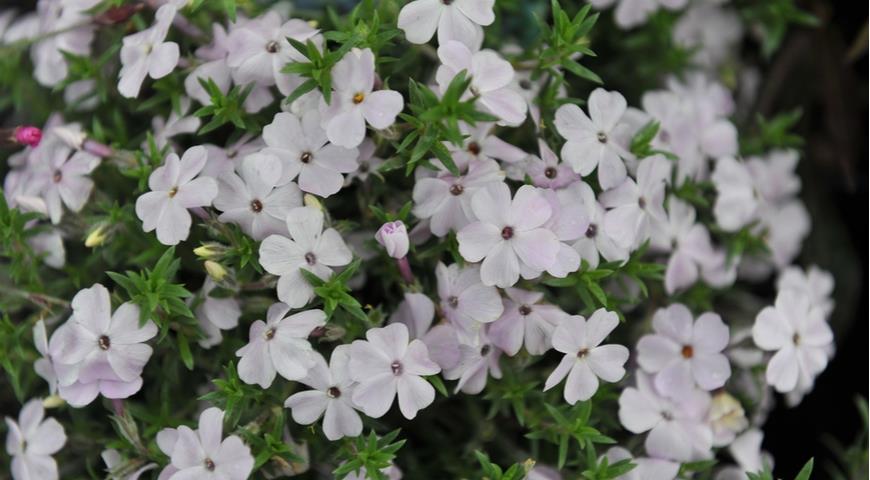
[(311, 201), (52, 401), (27, 135), (97, 237), (393, 236), (209, 250), (215, 270)]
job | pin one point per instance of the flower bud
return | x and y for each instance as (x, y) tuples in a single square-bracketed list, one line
[(393, 236), (52, 401), (73, 137), (311, 201), (27, 135), (209, 250), (97, 237), (215, 270), (726, 414)]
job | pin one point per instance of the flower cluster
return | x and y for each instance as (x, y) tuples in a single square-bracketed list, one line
[(386, 203)]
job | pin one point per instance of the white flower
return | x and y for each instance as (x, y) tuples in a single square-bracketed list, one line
[(815, 284), (684, 353), (60, 27), (32, 441), (146, 53), (174, 189), (645, 468), (280, 344), (592, 140), (253, 200), (100, 351), (215, 314), (330, 397), (478, 359), (586, 360), (354, 101), (678, 429), (204, 454), (44, 366), (526, 320), (63, 177), (465, 301), (636, 205), (509, 236), (393, 236), (178, 123), (309, 247), (386, 365), (736, 203), (797, 331), (458, 20), (491, 78), (114, 462), (302, 148), (596, 242), (632, 13)]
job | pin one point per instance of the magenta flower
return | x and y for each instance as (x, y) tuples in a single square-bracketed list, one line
[(586, 360), (330, 397), (385, 365), (279, 345), (32, 441), (525, 321), (683, 353), (204, 454), (509, 236)]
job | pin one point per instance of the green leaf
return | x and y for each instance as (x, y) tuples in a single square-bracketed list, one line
[(805, 472)]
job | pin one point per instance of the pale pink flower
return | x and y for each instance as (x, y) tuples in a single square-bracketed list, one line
[(683, 352), (547, 171), (179, 122), (354, 102), (215, 314), (569, 223), (393, 236), (254, 200), (635, 205), (632, 13), (44, 366), (60, 26), (114, 462), (446, 199), (645, 468), (62, 177), (814, 283), (586, 360), (302, 148), (174, 189), (330, 397), (593, 140), (279, 345), (31, 441), (309, 247), (204, 454), (459, 20), (712, 33), (368, 162), (480, 143), (146, 53), (465, 301), (416, 311), (490, 76), (596, 242), (509, 236), (385, 365), (677, 428), (478, 361), (526, 320)]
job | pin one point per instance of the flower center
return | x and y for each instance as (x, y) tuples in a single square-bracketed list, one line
[(525, 310), (474, 148), (550, 172), (256, 206), (358, 98), (667, 416), (687, 351), (484, 350), (104, 342), (310, 258), (456, 189), (57, 177), (173, 192), (796, 338), (446, 2), (209, 464), (525, 84), (641, 202), (507, 233), (582, 353), (305, 157), (363, 167), (273, 47), (396, 367), (333, 392), (270, 334), (453, 301), (602, 137), (592, 230)]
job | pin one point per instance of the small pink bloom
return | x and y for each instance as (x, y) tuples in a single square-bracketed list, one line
[(393, 236)]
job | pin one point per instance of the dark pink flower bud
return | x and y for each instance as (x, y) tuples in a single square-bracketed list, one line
[(28, 135)]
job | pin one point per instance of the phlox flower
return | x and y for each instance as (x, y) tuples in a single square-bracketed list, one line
[(459, 20), (368, 162), (302, 147), (480, 143), (44, 366), (684, 352), (509, 236), (61, 175), (392, 472), (174, 189), (416, 311), (445, 199), (279, 345), (354, 101), (204, 454), (645, 468), (586, 360), (330, 397), (547, 171), (393, 236), (593, 139), (309, 247), (59, 26), (179, 122), (633, 13), (100, 352), (746, 452), (490, 76), (736, 203), (635, 205), (146, 53), (253, 199), (727, 418), (710, 32), (215, 314), (813, 283), (49, 246), (526, 320), (31, 441), (797, 332), (478, 361), (386, 365), (568, 221), (114, 462), (677, 427), (227, 159), (596, 242), (465, 301)]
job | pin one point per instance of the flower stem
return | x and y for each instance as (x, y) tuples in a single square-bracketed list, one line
[(405, 270)]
